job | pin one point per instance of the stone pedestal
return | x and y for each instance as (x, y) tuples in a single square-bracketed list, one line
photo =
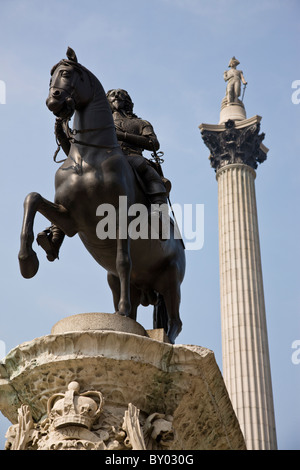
[(236, 150), (99, 381), (234, 111)]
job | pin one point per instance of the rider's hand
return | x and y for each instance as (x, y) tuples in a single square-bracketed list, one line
[(58, 124)]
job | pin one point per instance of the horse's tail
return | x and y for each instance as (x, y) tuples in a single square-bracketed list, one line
[(160, 314)]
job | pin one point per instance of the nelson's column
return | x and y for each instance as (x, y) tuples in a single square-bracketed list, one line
[(236, 148)]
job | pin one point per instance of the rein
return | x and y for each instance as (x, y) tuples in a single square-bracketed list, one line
[(84, 131), (72, 132)]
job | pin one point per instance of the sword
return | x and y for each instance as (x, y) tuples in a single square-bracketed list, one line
[(244, 91), (156, 158)]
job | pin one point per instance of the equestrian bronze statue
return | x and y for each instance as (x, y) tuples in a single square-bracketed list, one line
[(98, 173)]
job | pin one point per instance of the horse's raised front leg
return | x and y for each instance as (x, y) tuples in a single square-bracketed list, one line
[(56, 213)]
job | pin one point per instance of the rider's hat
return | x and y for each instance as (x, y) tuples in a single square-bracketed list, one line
[(233, 61)]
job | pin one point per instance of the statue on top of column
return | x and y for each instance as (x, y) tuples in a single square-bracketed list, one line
[(234, 78)]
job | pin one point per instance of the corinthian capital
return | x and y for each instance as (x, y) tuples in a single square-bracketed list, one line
[(235, 142)]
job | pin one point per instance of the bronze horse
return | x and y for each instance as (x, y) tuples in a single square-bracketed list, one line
[(95, 172)]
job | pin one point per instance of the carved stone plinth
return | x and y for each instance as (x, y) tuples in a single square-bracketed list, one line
[(96, 388)]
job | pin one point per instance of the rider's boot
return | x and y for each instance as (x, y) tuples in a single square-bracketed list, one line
[(51, 240)]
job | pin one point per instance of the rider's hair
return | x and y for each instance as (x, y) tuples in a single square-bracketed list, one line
[(128, 101)]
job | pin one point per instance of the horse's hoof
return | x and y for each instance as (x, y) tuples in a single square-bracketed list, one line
[(173, 331), (124, 308), (122, 314), (29, 265), (44, 240)]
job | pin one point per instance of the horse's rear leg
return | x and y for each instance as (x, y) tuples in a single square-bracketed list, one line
[(57, 214), (172, 299), (114, 284), (123, 267)]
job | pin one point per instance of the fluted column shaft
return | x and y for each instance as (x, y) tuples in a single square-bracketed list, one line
[(236, 150), (246, 364)]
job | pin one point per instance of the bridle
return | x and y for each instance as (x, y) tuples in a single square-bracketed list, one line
[(70, 133)]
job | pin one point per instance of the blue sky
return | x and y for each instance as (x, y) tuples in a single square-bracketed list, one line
[(170, 56)]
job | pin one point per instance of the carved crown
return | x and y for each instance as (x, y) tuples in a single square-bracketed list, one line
[(73, 408)]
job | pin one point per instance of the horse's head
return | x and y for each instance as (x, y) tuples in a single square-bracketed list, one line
[(71, 87)]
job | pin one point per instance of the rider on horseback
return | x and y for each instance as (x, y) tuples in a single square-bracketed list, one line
[(134, 136)]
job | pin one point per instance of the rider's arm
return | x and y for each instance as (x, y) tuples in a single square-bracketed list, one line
[(243, 78), (144, 142)]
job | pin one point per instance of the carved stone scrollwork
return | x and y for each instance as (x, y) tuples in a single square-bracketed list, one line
[(20, 434), (235, 145), (73, 423), (156, 433)]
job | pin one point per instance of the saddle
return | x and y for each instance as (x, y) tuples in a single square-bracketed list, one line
[(167, 183)]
